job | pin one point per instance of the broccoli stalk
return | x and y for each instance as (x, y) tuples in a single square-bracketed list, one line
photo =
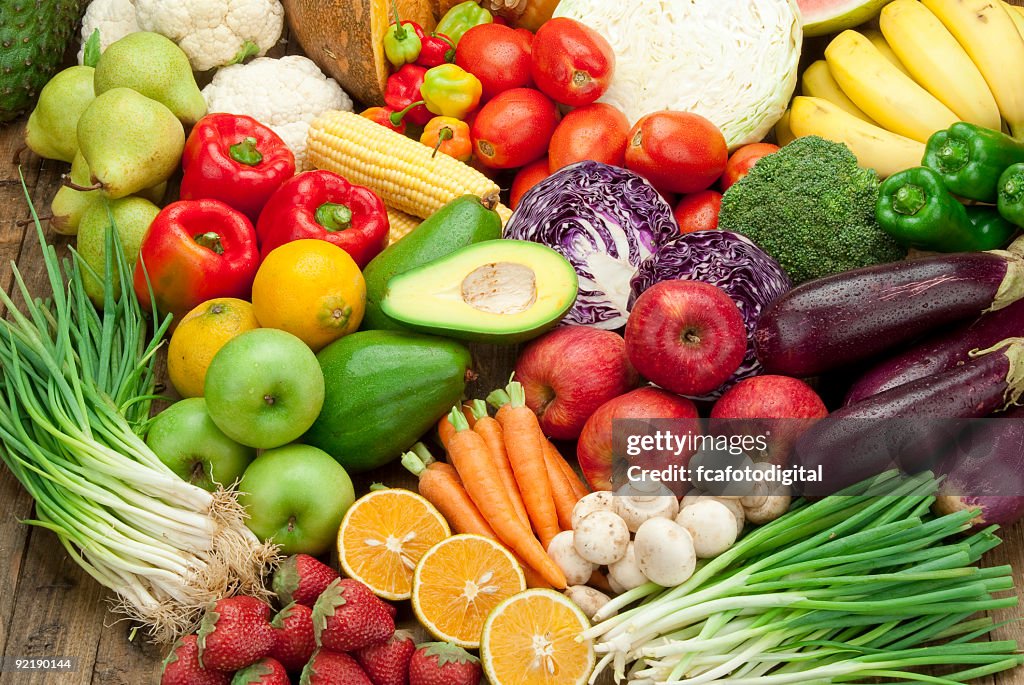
[(811, 208)]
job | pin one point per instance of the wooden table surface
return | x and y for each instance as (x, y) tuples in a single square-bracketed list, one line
[(49, 607)]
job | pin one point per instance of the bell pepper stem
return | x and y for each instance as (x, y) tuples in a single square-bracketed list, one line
[(333, 216), (396, 117), (443, 134), (953, 156), (399, 28), (245, 152), (211, 241), (1013, 187), (909, 199)]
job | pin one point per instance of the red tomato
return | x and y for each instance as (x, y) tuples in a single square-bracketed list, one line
[(596, 132), (514, 128), (698, 211), (497, 55), (678, 152), (527, 177), (743, 161), (572, 64)]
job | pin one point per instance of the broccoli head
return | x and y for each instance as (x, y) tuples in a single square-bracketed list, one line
[(811, 208)]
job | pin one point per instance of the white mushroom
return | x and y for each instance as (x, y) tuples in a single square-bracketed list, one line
[(635, 508), (774, 506), (601, 538), (664, 551), (731, 503), (587, 599), (596, 501), (625, 572), (760, 489), (577, 570), (616, 588), (711, 525)]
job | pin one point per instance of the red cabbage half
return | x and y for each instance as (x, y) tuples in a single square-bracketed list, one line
[(605, 220), (732, 262)]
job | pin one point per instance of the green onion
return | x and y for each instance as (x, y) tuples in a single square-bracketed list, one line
[(863, 584), (76, 385)]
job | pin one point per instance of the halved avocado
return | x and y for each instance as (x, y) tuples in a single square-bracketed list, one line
[(497, 291)]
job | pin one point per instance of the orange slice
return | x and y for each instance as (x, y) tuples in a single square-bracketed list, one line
[(458, 582), (530, 639), (383, 536)]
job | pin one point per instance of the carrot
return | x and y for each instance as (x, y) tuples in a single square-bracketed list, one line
[(445, 428), (490, 430), (524, 441), (470, 456), (561, 490), (579, 488)]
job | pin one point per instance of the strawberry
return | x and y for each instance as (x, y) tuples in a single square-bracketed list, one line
[(294, 639), (235, 632), (442, 663), (266, 671), (388, 663), (181, 667), (333, 668), (347, 617), (301, 578)]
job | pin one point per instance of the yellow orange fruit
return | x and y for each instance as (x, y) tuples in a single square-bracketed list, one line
[(382, 537), (199, 335), (458, 582), (530, 639), (311, 289)]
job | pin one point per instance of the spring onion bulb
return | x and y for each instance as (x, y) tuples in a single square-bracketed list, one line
[(863, 584), (75, 392)]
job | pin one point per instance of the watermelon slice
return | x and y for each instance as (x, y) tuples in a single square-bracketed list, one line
[(832, 16)]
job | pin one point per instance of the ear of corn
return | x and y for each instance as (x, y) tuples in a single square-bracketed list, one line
[(401, 224), (404, 172)]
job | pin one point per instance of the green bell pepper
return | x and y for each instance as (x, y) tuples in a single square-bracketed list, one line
[(970, 159), (1011, 194), (402, 42), (449, 90), (915, 207), (461, 18), (991, 229)]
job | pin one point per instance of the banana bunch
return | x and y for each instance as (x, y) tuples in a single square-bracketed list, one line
[(933, 63)]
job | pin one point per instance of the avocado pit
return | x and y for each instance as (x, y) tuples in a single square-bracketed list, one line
[(500, 288)]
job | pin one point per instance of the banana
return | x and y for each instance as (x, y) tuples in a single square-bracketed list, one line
[(986, 31), (783, 134), (817, 82), (878, 40), (886, 94), (875, 148), (937, 62), (1017, 14)]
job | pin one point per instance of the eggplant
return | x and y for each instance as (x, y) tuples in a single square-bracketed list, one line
[(939, 353), (836, 321)]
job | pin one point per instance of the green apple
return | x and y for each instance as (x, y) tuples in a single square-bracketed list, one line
[(264, 388), (185, 438), (296, 496)]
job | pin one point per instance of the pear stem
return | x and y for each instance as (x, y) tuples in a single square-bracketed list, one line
[(84, 189)]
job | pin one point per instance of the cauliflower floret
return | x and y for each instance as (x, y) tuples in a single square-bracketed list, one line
[(214, 33), (286, 94), (115, 19)]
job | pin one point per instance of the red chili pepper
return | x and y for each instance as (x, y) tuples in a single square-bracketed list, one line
[(235, 159), (196, 250), (324, 206), (436, 50), (403, 89), (382, 115)]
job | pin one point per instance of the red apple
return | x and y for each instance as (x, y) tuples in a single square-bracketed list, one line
[(686, 336), (595, 447), (570, 372)]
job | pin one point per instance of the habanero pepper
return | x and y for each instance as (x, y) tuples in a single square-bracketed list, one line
[(194, 251), (915, 207), (437, 49), (461, 18), (322, 205), (403, 40), (235, 159), (450, 136), (402, 95), (382, 116), (971, 158), (448, 91)]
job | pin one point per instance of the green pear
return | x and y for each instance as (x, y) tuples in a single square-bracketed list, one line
[(155, 67), (129, 141), (50, 131), (69, 204), (131, 217)]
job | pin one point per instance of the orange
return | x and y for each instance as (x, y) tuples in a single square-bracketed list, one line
[(458, 582), (382, 537), (530, 639), (199, 335), (312, 289)]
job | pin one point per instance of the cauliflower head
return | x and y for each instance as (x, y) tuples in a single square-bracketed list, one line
[(115, 19), (214, 33), (285, 94)]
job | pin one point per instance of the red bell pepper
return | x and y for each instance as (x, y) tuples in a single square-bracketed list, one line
[(324, 206), (403, 89), (235, 159), (194, 251), (436, 50), (382, 115)]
